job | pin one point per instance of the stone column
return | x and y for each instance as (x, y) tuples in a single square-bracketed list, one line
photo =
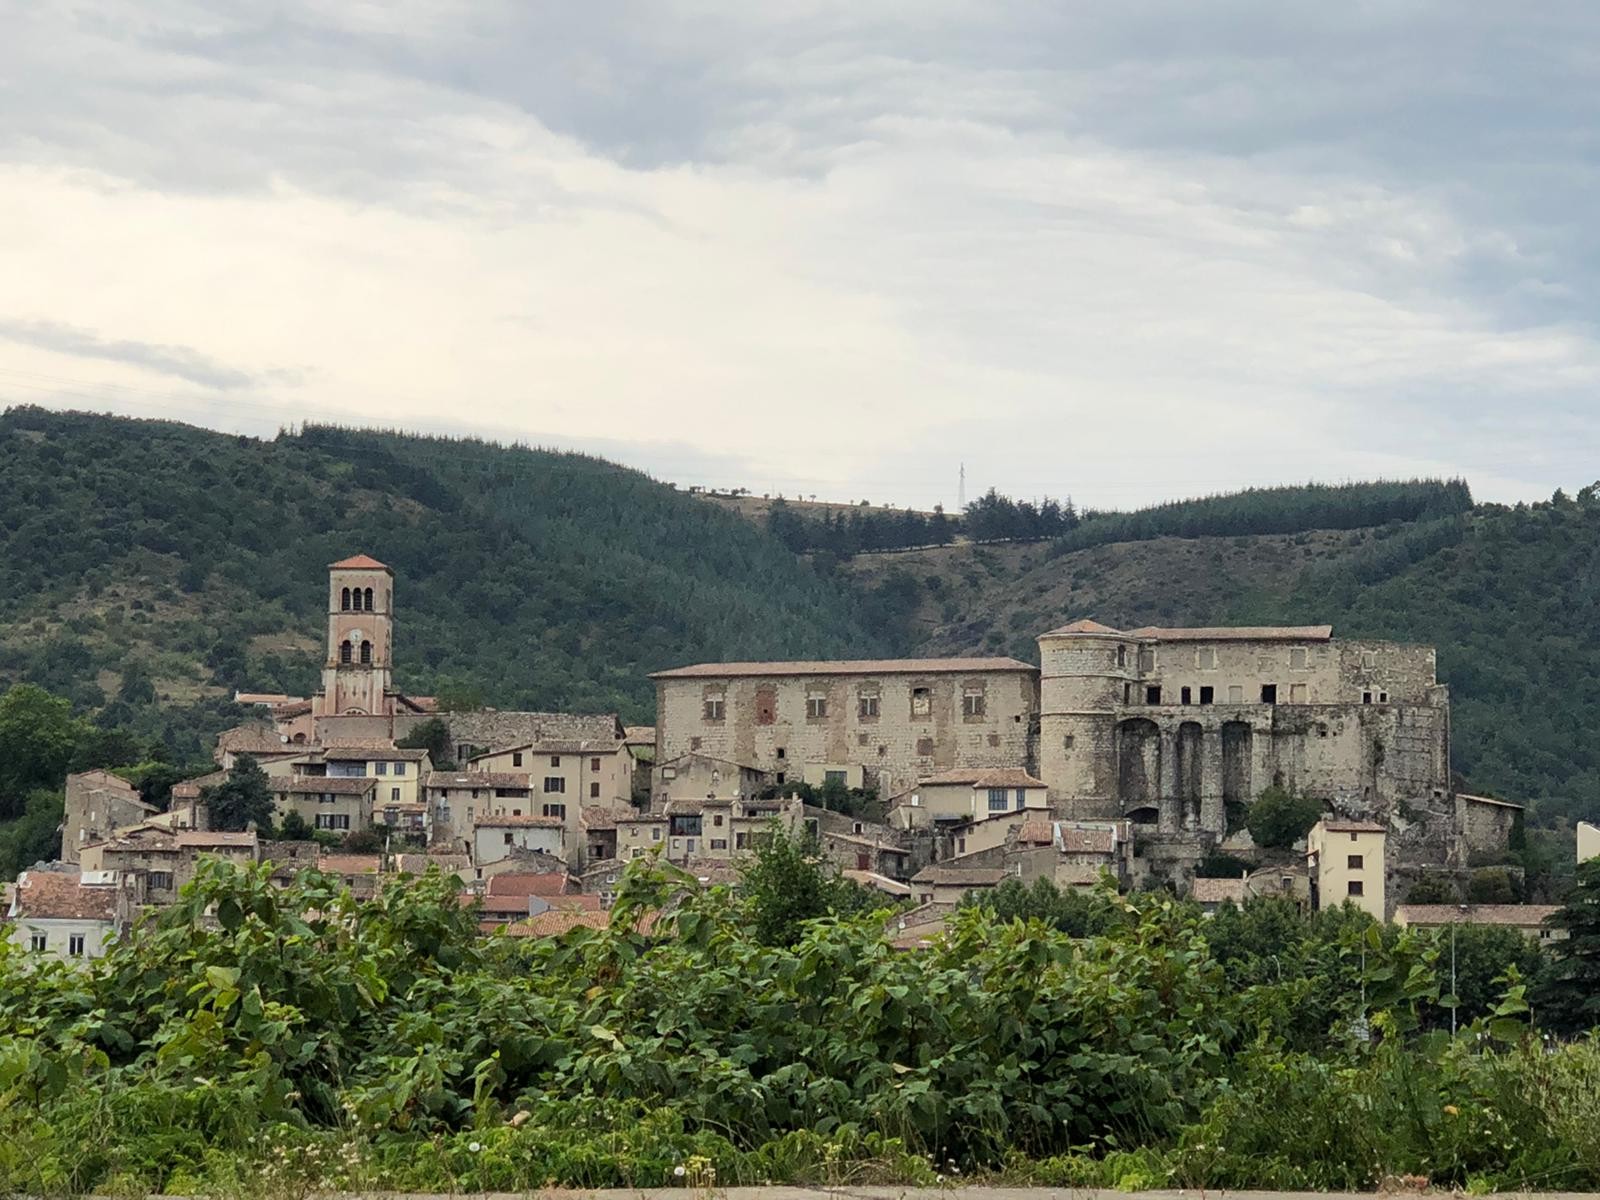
[(1213, 817), (1169, 783)]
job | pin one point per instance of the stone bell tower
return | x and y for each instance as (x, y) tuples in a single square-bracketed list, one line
[(356, 677)]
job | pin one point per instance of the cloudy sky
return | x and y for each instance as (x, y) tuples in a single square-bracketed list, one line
[(1119, 251)]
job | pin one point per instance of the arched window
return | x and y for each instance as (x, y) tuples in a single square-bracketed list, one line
[(369, 599), (344, 651), (366, 652), (344, 600)]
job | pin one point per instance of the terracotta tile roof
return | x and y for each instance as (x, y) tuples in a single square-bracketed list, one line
[(295, 708), (357, 562), (1236, 633), (1086, 627), (418, 864), (879, 883), (960, 876), (1215, 891), (1491, 800), (202, 839), (1087, 841), (402, 807), (529, 822), (479, 779), (548, 883), (870, 666), (1522, 915), (985, 777), (606, 816), (105, 779), (55, 895), (189, 789), (639, 735), (332, 785), (556, 922), (253, 739), (1036, 833), (371, 753), (1353, 827), (350, 864)]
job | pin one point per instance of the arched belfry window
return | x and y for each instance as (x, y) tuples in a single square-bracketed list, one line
[(344, 600), (368, 596), (366, 652), (345, 652)]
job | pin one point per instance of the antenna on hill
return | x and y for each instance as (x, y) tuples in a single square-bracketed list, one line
[(961, 490)]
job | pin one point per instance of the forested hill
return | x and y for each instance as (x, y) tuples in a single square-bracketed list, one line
[(148, 568)]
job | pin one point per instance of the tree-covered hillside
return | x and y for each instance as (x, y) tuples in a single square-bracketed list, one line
[(148, 568)]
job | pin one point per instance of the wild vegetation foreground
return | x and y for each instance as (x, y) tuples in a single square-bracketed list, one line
[(265, 1038)]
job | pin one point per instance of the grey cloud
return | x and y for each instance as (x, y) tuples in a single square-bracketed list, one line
[(180, 362)]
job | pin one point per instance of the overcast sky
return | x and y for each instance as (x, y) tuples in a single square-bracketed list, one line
[(1123, 251)]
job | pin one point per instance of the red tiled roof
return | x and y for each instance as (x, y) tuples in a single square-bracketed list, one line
[(294, 708), (549, 883), (529, 822), (1085, 626), (1215, 891), (479, 779), (252, 739), (1007, 777), (556, 922), (358, 562), (1523, 915), (55, 895), (870, 666), (418, 864), (959, 876), (349, 864), (332, 785), (1038, 833)]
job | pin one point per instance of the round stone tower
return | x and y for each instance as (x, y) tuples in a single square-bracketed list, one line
[(1086, 673)]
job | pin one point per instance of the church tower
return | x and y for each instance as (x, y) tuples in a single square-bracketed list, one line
[(356, 677)]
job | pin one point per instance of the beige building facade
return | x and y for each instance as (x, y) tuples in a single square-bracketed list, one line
[(574, 773), (326, 803), (886, 722), (1346, 863)]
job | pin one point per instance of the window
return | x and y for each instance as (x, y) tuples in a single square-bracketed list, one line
[(782, 778), (1022, 798), (740, 840), (555, 760), (346, 655), (1366, 697), (381, 768), (1357, 888), (1152, 695), (1354, 861), (1269, 693), (694, 743), (855, 827), (1369, 659), (972, 702), (1383, 697), (1122, 656), (1147, 658), (399, 768), (1068, 742), (1184, 696), (1297, 693), (816, 708), (719, 843), (161, 880), (717, 820), (1207, 695), (394, 794), (333, 820), (1205, 658), (366, 602), (714, 708), (344, 599), (781, 753), (924, 747), (1127, 693), (555, 785), (558, 811), (516, 758), (1297, 658), (508, 838), (594, 791), (921, 701), (594, 764), (366, 652), (867, 707), (1235, 693), (75, 945), (838, 777), (655, 833), (998, 800), (38, 941)]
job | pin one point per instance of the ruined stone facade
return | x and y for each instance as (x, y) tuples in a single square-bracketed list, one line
[(1170, 727), (897, 720)]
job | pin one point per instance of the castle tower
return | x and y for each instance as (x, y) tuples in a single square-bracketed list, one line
[(1086, 672), (356, 676)]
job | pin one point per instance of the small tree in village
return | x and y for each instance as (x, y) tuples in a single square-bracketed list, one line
[(1567, 997), (1279, 818), (241, 800)]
